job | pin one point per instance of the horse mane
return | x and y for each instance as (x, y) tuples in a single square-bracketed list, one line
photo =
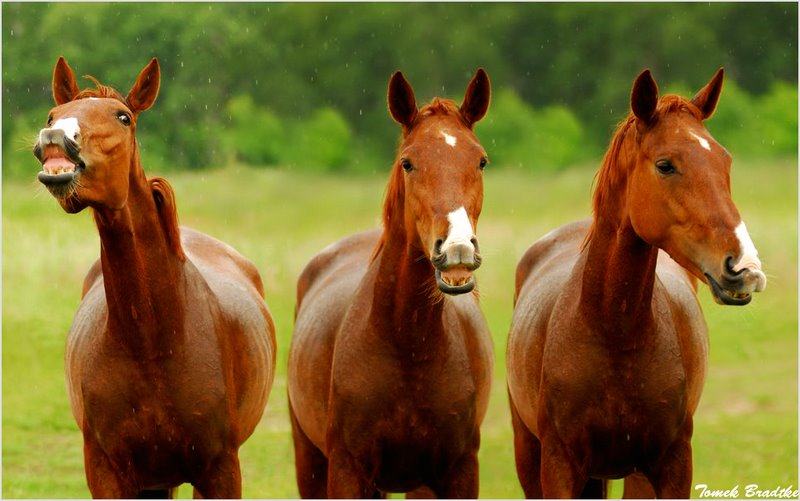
[(442, 107), (395, 189), (164, 198), (612, 170), (101, 90)]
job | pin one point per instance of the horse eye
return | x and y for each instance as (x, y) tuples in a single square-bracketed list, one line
[(484, 162), (665, 167), (406, 164), (124, 118)]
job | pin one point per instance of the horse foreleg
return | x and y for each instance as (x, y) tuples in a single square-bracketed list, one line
[(462, 481), (638, 487), (672, 476), (527, 456), (311, 465), (103, 479), (346, 478), (222, 478), (560, 477)]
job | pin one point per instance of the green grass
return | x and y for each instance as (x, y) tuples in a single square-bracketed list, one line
[(746, 426)]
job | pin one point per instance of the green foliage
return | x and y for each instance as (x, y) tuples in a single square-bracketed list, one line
[(295, 59), (254, 135), (757, 127), (323, 142), (514, 134)]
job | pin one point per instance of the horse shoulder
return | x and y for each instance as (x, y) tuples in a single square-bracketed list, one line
[(332, 259), (680, 288), (248, 336), (565, 239), (543, 278), (466, 318), (325, 291), (85, 338)]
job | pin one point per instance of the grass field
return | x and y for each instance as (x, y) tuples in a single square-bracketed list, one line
[(745, 428)]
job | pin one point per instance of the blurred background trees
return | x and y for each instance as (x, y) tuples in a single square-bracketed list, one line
[(304, 85)]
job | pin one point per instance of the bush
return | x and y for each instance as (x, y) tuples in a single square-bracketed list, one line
[(324, 142), (254, 135), (514, 134), (751, 127)]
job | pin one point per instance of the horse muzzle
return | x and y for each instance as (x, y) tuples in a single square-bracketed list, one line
[(454, 265), (61, 162), (737, 283)]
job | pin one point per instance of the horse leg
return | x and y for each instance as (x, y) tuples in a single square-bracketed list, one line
[(346, 479), (158, 494), (310, 464), (527, 455), (423, 492), (102, 477), (462, 481), (638, 487), (222, 478), (672, 477), (595, 488), (560, 477)]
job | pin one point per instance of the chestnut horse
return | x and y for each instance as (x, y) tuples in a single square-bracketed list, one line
[(608, 345), (171, 355), (391, 360)]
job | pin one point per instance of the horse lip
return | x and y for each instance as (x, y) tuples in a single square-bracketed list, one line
[(454, 290), (723, 296), (56, 180)]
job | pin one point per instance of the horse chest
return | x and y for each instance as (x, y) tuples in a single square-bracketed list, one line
[(627, 406)]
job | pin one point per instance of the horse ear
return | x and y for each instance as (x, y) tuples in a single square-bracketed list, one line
[(644, 96), (706, 99), (65, 87), (402, 103), (145, 90), (476, 99)]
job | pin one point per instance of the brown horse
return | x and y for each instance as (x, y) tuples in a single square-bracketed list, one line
[(608, 345), (391, 360), (171, 355)]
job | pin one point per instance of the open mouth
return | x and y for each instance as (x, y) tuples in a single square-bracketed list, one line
[(724, 296), (455, 281), (59, 173)]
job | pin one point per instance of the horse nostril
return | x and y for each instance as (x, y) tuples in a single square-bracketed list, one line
[(474, 242), (437, 247)]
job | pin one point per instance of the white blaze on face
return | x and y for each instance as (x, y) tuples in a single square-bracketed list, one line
[(749, 258), (68, 125), (749, 252), (460, 229), (700, 139), (451, 140)]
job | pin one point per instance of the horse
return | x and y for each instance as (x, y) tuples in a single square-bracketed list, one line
[(171, 354), (608, 346), (391, 359)]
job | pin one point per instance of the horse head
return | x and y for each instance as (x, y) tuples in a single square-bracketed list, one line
[(436, 190), (88, 147), (679, 195)]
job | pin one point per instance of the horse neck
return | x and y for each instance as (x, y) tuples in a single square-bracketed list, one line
[(404, 295), (143, 276), (619, 269)]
